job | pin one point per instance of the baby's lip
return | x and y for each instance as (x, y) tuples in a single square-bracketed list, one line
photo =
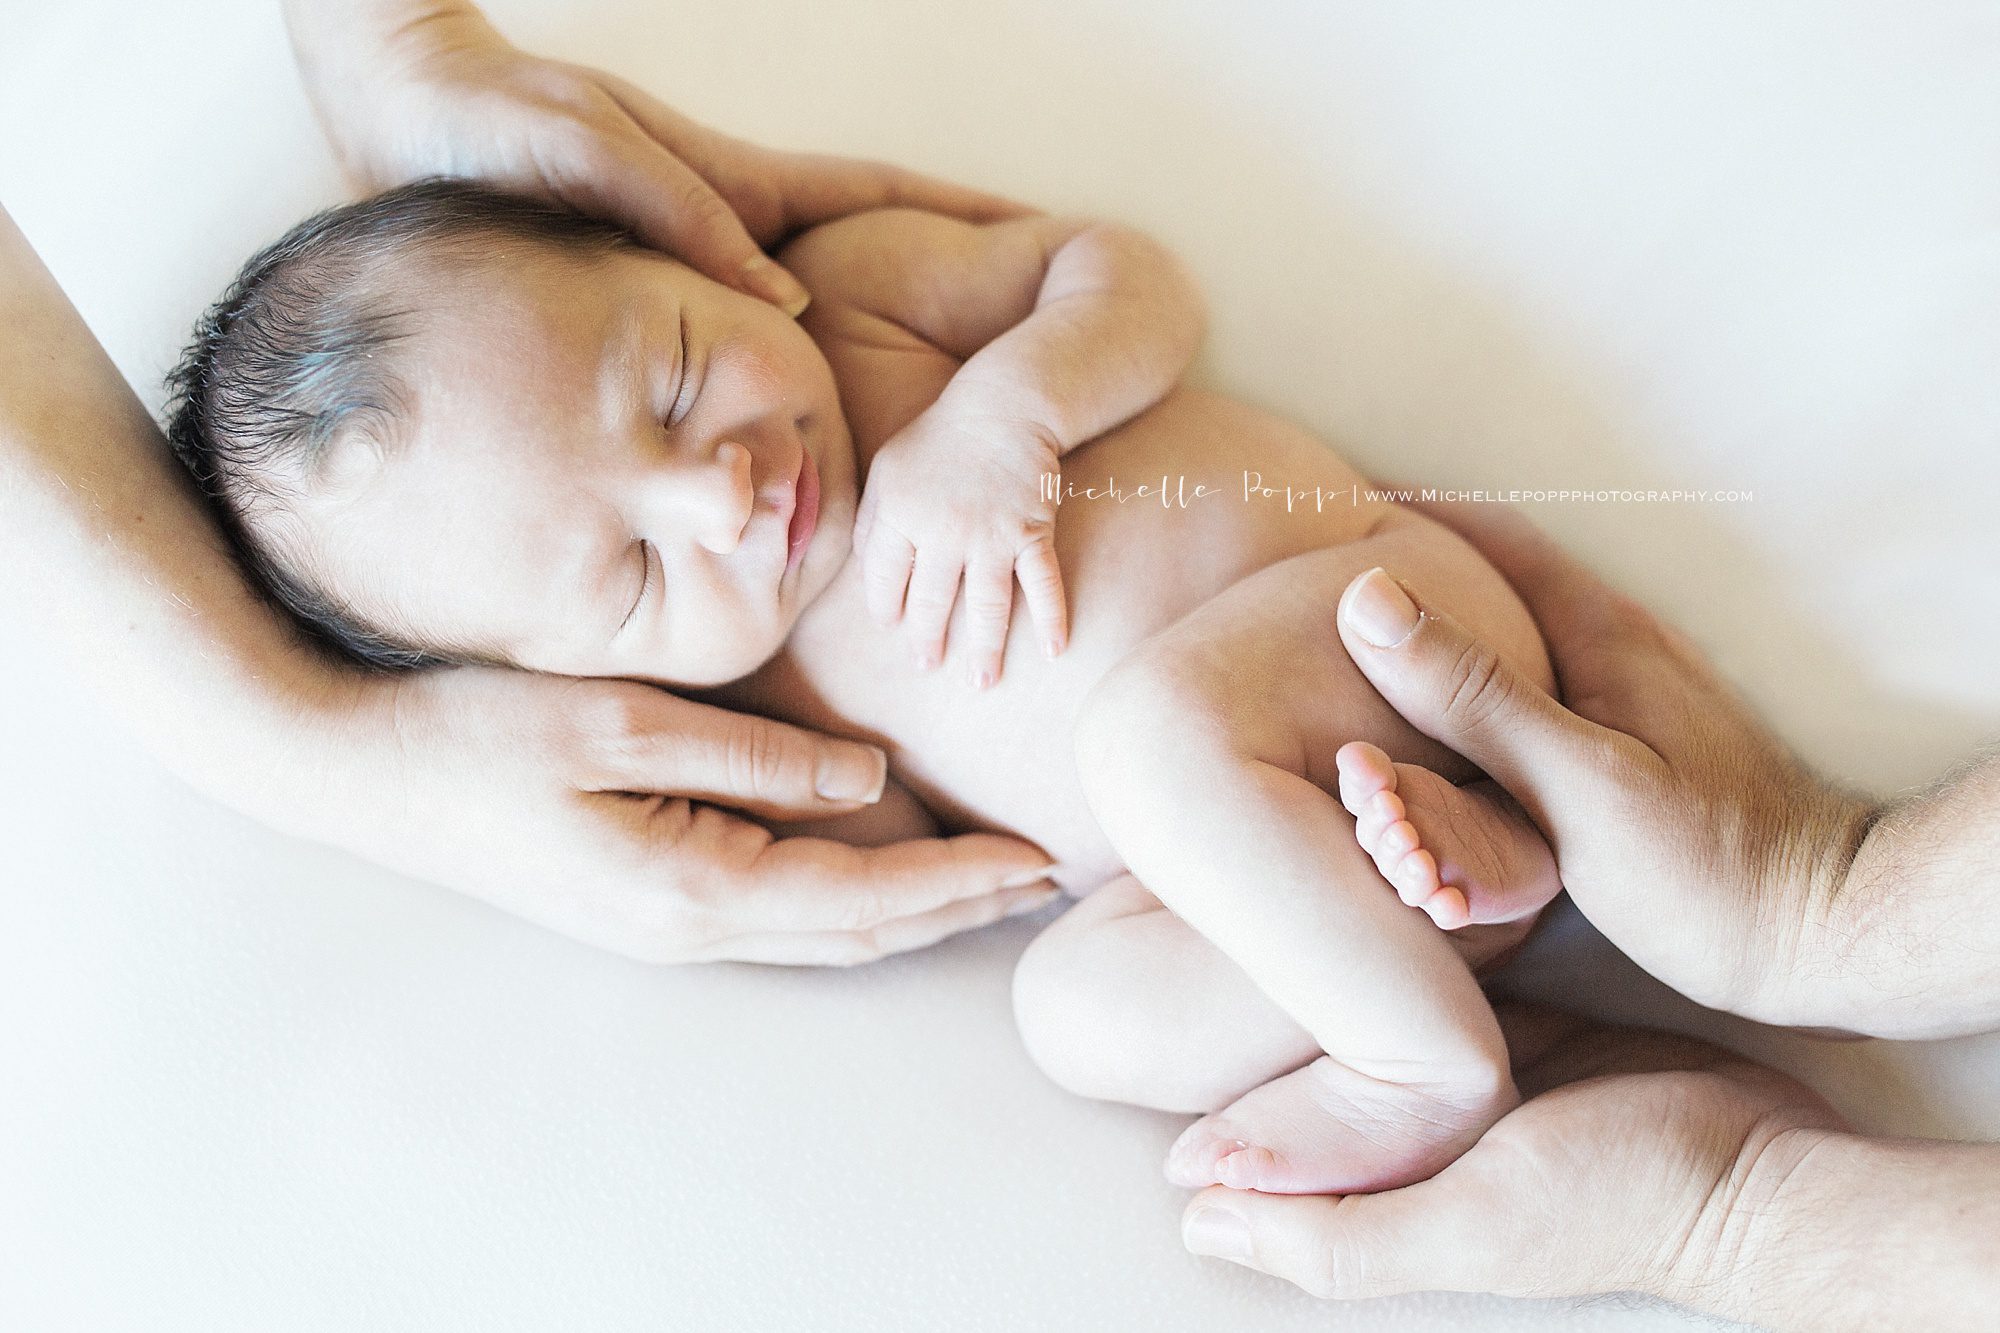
[(803, 519)]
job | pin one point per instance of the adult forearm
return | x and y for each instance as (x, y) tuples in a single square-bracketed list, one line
[(1906, 943), (111, 552), (1837, 1231), (1114, 327)]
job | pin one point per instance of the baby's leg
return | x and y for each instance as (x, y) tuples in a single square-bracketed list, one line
[(1206, 758), (1121, 1001)]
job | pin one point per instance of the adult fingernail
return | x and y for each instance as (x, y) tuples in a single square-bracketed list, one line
[(851, 773), (1379, 611), (1217, 1233), (766, 280), (1022, 879), (1034, 902)]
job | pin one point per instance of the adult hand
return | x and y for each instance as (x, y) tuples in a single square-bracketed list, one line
[(1681, 827), (1657, 1164), (1639, 1162), (407, 89), (535, 793)]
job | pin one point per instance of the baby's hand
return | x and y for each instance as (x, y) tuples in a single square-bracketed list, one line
[(954, 496)]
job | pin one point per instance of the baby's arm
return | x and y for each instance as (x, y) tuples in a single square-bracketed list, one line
[(1071, 326), (1054, 332)]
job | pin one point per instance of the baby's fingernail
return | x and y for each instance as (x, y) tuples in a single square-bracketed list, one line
[(1218, 1233), (766, 281), (927, 660), (1022, 879), (1052, 648), (1379, 611), (851, 773), (982, 680)]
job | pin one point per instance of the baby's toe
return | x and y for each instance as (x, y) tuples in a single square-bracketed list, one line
[(1447, 908), (1253, 1168), (1382, 810), (1415, 877), (1364, 771), (1194, 1160)]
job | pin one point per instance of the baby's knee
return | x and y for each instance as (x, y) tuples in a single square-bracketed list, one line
[(1154, 706)]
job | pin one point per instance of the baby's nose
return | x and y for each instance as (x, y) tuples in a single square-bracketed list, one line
[(721, 497)]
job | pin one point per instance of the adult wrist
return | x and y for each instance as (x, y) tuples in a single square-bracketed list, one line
[(1844, 1231), (1818, 869), (1758, 1251)]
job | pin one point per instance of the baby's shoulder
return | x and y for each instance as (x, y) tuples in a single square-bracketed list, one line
[(951, 284)]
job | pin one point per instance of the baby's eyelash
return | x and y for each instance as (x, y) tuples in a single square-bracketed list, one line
[(645, 582), (680, 390)]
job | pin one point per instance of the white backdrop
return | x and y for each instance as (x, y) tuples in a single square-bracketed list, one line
[(255, 1084)]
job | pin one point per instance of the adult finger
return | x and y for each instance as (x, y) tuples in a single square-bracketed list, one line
[(1459, 691), (777, 192), (1591, 628), (849, 948), (634, 181), (1432, 1236), (644, 740), (1041, 579), (817, 188), (812, 884)]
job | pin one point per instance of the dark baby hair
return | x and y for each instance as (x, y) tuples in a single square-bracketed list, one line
[(298, 349)]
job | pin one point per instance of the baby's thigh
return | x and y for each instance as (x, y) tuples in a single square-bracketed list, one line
[(1120, 1000), (1263, 664)]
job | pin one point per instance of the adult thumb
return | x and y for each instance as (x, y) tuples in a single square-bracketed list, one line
[(1457, 690), (1424, 1237), (656, 742)]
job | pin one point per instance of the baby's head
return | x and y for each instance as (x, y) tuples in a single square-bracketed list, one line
[(446, 424)]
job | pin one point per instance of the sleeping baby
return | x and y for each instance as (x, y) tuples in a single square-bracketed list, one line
[(446, 425)]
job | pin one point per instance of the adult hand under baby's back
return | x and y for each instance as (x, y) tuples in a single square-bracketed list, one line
[(538, 794)]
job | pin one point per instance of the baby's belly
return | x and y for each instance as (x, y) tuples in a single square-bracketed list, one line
[(1000, 759)]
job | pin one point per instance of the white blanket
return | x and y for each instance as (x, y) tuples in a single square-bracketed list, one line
[(1559, 245)]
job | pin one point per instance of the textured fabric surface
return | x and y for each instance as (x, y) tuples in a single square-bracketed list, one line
[(1563, 245)]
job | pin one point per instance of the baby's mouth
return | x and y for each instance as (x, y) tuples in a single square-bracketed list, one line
[(805, 510)]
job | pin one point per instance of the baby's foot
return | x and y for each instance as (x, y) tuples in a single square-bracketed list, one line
[(1464, 855), (1326, 1129)]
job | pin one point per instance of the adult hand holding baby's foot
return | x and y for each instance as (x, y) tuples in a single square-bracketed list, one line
[(407, 90), (1640, 1162), (1681, 828)]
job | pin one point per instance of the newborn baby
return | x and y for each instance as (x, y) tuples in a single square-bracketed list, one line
[(446, 425)]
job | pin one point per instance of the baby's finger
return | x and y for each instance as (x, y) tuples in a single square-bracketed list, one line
[(1041, 579), (989, 607), (927, 609), (885, 573)]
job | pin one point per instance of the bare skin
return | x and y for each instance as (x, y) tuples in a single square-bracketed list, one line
[(1737, 1191), (1651, 1163), (629, 450), (601, 790)]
